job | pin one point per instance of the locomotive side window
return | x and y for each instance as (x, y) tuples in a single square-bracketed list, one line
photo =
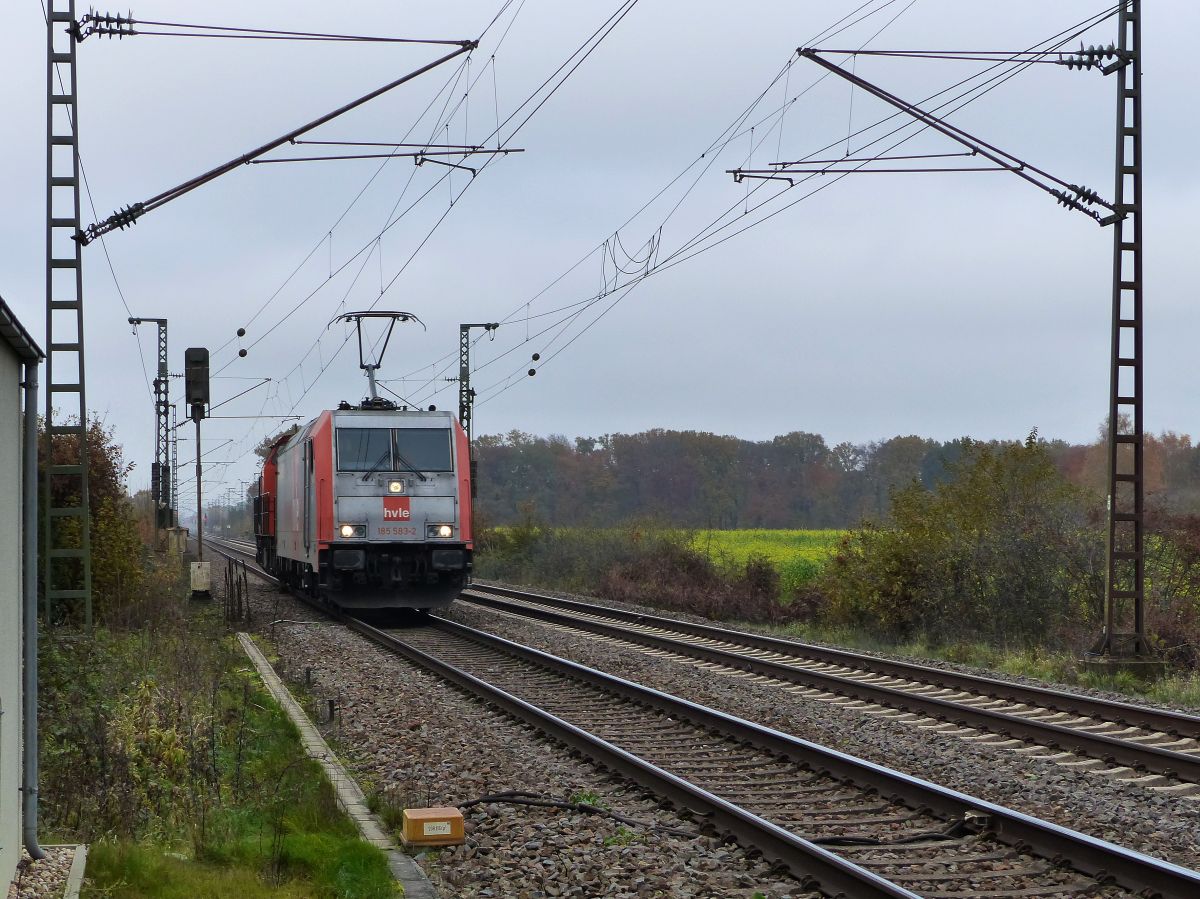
[(364, 449), (423, 449)]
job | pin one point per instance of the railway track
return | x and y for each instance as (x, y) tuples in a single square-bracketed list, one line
[(1155, 748), (840, 824)]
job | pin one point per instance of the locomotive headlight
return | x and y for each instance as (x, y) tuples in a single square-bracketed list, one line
[(439, 530), (353, 530), (395, 486)]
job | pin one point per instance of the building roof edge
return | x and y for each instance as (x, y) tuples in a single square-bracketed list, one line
[(15, 335)]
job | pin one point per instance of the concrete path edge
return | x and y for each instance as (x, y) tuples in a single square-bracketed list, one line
[(75, 875), (349, 795)]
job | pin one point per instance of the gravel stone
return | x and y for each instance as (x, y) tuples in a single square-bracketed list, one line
[(44, 878), (752, 627), (420, 742), (1162, 826)]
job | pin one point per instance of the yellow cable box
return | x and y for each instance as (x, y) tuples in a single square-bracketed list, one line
[(432, 826)]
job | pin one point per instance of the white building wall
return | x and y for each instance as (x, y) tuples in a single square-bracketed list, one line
[(10, 613)]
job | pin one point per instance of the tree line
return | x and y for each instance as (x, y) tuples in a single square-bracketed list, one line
[(695, 479)]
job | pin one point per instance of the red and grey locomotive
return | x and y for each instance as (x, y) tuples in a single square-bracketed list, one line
[(369, 507)]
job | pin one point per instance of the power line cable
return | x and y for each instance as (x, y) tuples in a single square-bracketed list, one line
[(390, 220), (583, 52), (447, 88), (730, 133), (671, 260)]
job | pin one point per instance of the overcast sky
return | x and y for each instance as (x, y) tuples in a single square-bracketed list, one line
[(940, 305)]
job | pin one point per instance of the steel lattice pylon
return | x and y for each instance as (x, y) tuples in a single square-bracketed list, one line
[(172, 509), (68, 551), (1124, 639), (1124, 582), (161, 469), (466, 395)]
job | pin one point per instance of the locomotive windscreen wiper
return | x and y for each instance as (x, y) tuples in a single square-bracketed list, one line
[(408, 465), (385, 457)]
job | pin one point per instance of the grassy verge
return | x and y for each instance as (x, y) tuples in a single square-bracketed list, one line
[(162, 749), (775, 578), (1178, 688)]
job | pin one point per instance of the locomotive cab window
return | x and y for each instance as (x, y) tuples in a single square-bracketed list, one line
[(364, 449), (422, 449)]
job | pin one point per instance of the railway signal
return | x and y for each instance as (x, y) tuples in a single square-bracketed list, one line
[(195, 375)]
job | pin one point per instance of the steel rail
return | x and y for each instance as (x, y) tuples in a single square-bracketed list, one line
[(1095, 857), (808, 861), (1056, 736), (1163, 720), (1090, 855)]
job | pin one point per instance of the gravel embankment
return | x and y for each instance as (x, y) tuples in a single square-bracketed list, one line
[(419, 742), (1094, 804), (44, 878), (752, 627)]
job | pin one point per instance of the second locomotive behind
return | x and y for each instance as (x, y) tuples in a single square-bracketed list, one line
[(369, 507)]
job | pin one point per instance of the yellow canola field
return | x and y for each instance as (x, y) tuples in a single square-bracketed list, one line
[(799, 555)]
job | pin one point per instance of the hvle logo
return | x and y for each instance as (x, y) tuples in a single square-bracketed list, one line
[(396, 508)]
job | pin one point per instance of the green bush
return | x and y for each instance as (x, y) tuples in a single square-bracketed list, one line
[(120, 562), (643, 563), (1001, 551), (568, 558)]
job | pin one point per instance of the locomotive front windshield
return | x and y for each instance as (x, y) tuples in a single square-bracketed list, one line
[(364, 449), (394, 449), (425, 449)]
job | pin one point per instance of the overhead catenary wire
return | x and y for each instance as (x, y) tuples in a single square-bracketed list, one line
[(122, 26), (589, 301), (671, 259), (734, 131), (730, 133), (447, 88), (497, 133), (549, 87), (308, 387), (988, 85), (341, 217)]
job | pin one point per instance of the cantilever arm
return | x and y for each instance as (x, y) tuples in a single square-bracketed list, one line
[(130, 214), (1069, 195)]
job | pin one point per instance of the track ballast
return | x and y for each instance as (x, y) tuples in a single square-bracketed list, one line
[(835, 821)]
